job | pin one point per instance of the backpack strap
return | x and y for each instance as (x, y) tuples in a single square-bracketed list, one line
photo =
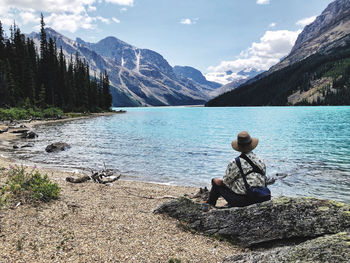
[(256, 169), (238, 162)]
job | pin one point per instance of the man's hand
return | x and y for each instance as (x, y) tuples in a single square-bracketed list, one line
[(217, 181)]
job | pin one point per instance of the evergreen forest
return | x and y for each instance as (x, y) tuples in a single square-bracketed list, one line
[(45, 78)]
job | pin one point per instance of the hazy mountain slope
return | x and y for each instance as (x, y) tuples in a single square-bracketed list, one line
[(244, 76), (195, 75)]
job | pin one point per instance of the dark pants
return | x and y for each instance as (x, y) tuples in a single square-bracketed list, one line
[(231, 197)]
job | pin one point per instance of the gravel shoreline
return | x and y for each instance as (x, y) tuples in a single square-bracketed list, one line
[(96, 223)]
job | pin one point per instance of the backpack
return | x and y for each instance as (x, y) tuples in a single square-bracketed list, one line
[(255, 193)]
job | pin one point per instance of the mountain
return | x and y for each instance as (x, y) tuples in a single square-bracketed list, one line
[(240, 78), (138, 77), (195, 75), (316, 72), (329, 30)]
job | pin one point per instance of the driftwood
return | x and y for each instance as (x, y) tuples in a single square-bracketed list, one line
[(105, 176), (78, 180)]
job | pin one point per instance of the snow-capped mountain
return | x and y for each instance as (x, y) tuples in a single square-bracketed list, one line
[(139, 77), (239, 78)]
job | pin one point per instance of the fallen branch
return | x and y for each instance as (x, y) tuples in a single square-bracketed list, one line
[(149, 197), (78, 180)]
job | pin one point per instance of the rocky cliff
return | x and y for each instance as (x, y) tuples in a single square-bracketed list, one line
[(331, 29), (316, 72)]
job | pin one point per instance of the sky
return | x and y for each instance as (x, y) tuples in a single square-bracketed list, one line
[(214, 36)]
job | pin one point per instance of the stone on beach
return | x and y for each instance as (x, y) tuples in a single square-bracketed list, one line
[(278, 219), (20, 131), (57, 146), (3, 129), (29, 135)]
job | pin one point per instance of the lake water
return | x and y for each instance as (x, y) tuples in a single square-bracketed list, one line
[(190, 145)]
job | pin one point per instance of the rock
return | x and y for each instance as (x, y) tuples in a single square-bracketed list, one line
[(202, 194), (15, 146), (278, 219), (272, 179), (29, 135), (4, 129), (57, 146), (27, 145), (329, 248), (20, 131)]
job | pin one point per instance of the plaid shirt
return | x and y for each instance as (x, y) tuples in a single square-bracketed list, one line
[(233, 178)]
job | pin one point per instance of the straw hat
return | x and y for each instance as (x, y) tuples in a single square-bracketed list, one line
[(244, 142)]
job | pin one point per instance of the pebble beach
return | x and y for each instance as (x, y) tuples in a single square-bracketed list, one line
[(92, 222)]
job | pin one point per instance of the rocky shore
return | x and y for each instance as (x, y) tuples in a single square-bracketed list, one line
[(98, 223)]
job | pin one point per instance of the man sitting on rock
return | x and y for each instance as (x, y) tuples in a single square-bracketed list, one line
[(238, 184)]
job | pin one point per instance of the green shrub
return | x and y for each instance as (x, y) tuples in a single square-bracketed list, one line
[(52, 112), (34, 113), (27, 187), (13, 113), (21, 114)]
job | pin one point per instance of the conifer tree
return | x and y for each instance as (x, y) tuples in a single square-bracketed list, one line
[(28, 78), (107, 97)]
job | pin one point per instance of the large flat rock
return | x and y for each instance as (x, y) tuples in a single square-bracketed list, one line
[(278, 219), (330, 248)]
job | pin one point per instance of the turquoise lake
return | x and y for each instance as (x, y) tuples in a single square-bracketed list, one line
[(190, 145)]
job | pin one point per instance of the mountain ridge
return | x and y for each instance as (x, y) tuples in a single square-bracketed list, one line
[(319, 84), (139, 77)]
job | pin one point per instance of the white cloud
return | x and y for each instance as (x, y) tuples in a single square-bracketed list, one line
[(71, 6), (272, 25), (102, 19), (121, 2), (189, 21), (123, 10), (306, 21), (92, 8), (116, 20), (70, 22), (263, 2), (29, 17), (66, 15), (260, 56)]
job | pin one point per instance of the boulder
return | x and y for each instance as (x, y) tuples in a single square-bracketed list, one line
[(3, 129), (57, 147), (281, 218), (20, 131), (329, 248), (29, 135)]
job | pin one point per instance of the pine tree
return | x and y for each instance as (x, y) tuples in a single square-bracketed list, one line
[(28, 78), (107, 97)]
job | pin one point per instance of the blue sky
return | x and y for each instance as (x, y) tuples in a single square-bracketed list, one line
[(213, 36)]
